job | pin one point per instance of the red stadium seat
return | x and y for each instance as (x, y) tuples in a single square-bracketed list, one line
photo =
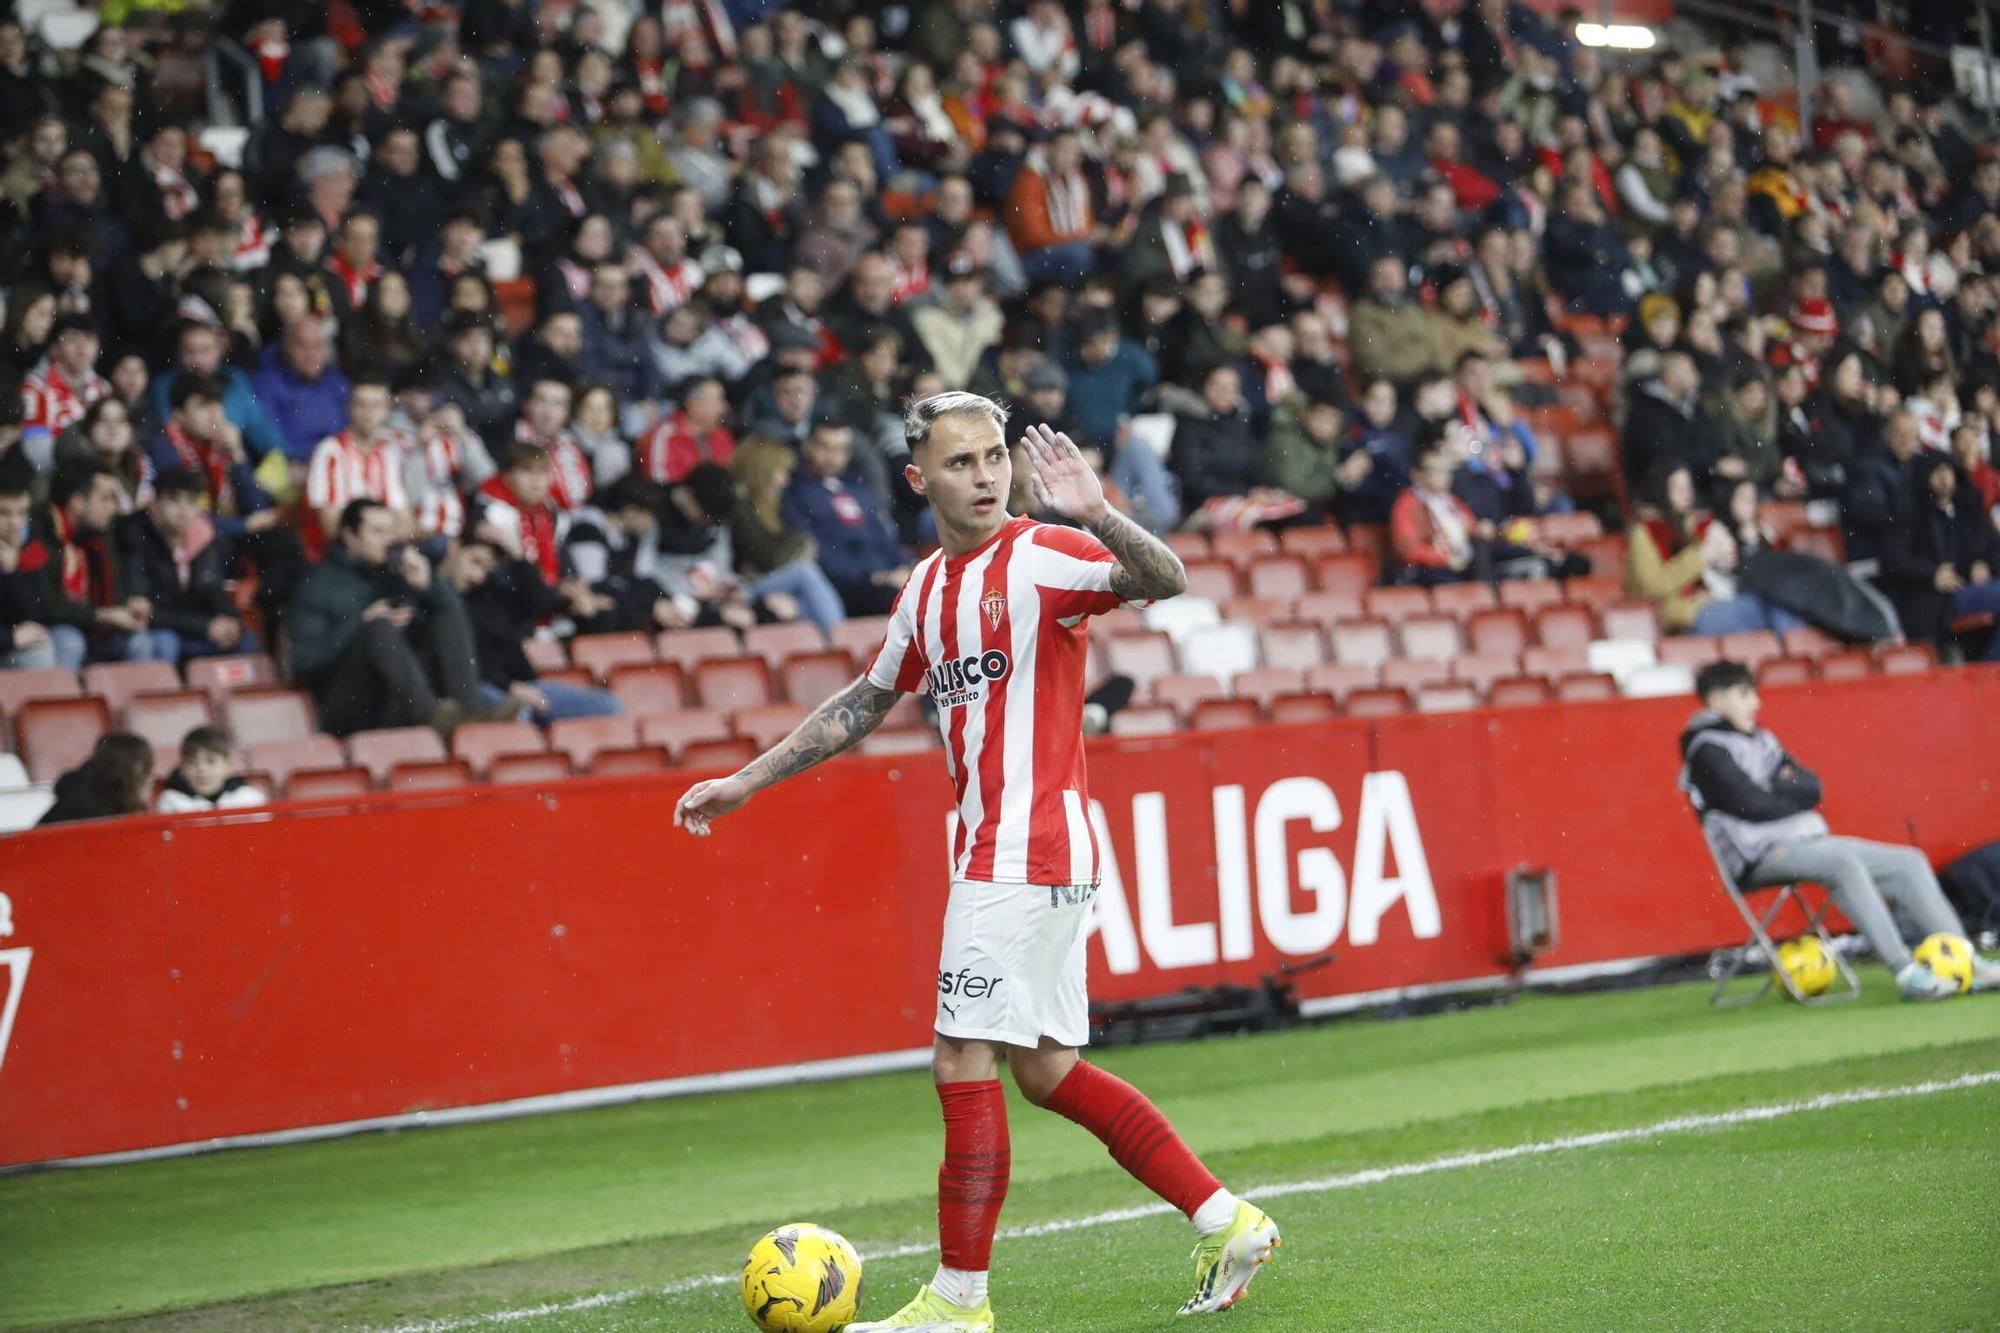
[(1255, 610), (1341, 679), (1263, 684), (1564, 627), (1553, 663), (1297, 644), (1783, 518), (1413, 673), (435, 775), (1690, 650), (677, 731), (1145, 657), (600, 653), (811, 678), (689, 646), (1372, 541), (281, 758), (1352, 573), (1378, 703), (318, 784), (630, 759), (656, 687), (165, 719), (1905, 659), (1569, 529), (117, 682), (722, 755), (381, 750), (1463, 599), (1826, 543), (546, 655), (1517, 692), (1635, 621), (1189, 545), (220, 675), (576, 676), (582, 737), (1214, 579), (524, 769), (1596, 591), (1223, 714), (1586, 686), (1182, 692), (1241, 548), (1118, 620), (1480, 670), (732, 682), (267, 713), (1434, 636), (1785, 671), (1283, 576), (1530, 595), (764, 725), (1592, 453), (1849, 665), (1752, 647), (55, 735), (1305, 706), (1500, 633), (1808, 641), (1361, 643), (24, 683), (1447, 698), (1606, 555), (1144, 720), (1312, 542), (774, 643), (860, 636), (1324, 608), (1397, 603), (480, 743)]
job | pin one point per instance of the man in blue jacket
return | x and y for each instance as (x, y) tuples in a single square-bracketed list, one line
[(830, 502), (198, 351), (302, 389)]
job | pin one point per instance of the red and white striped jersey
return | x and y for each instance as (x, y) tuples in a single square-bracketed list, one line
[(51, 401), (997, 636), (341, 471)]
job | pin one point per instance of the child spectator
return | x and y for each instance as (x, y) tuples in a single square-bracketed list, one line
[(207, 778)]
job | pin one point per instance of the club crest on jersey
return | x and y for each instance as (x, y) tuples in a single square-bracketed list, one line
[(955, 682), (994, 603)]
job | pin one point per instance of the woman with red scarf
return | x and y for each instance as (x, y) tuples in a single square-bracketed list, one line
[(1681, 560)]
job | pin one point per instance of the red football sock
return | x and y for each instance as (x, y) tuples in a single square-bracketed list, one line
[(972, 1182), (1140, 1138)]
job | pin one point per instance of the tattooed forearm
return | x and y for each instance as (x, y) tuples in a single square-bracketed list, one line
[(1147, 568), (834, 726)]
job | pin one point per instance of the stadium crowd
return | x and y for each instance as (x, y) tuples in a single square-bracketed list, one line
[(510, 320)]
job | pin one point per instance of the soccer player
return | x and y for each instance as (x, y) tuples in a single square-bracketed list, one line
[(993, 626)]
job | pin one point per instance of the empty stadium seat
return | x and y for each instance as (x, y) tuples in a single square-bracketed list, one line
[(1517, 692), (1182, 692), (767, 724), (1241, 548), (1596, 591), (1312, 542), (1361, 642), (1296, 644), (677, 731), (1606, 555), (220, 675), (1396, 603), (722, 755), (1783, 517), (1654, 681), (432, 775), (1353, 573), (600, 653), (1213, 579), (546, 655), (316, 784), (380, 750), (1223, 714), (1145, 657), (1325, 607), (1258, 610), (281, 758), (1809, 641), (1462, 599), (117, 682), (1449, 698), (1480, 670), (1144, 720), (1592, 454), (774, 643), (654, 687), (1413, 673), (165, 719), (689, 646), (813, 677), (267, 713), (1564, 626), (1434, 636), (1279, 576), (1380, 702), (1189, 545), (732, 682), (1177, 617), (860, 636), (480, 743), (1904, 659), (1263, 684), (1689, 650), (1341, 679), (1304, 706), (1530, 595), (582, 737), (1587, 686), (1569, 529), (522, 769), (53, 736), (1751, 647), (1552, 663), (1637, 622), (1619, 658), (21, 684), (1220, 650), (628, 759), (1497, 633), (1785, 671), (1826, 543), (1848, 665)]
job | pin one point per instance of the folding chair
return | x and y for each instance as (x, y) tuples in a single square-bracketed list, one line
[(1726, 964)]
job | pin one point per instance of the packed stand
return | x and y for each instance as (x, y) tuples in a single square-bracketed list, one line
[(420, 344)]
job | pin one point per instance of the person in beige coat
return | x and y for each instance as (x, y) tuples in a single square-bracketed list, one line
[(957, 330)]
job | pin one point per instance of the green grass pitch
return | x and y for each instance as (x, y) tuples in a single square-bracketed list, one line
[(1873, 1214)]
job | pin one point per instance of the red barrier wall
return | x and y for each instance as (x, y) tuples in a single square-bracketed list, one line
[(195, 977)]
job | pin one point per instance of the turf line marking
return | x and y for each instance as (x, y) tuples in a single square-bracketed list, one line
[(1680, 1124)]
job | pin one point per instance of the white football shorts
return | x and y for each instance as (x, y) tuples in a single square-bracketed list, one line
[(1011, 968)]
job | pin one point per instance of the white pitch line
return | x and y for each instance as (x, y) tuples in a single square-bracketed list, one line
[(1680, 1124)]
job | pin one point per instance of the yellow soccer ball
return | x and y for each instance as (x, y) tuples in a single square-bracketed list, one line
[(1806, 961), (1950, 956), (802, 1279)]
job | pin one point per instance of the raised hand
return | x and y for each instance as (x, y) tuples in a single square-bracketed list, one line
[(1059, 476)]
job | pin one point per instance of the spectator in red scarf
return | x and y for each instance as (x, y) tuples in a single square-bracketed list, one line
[(1049, 213), (172, 554), (83, 588)]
